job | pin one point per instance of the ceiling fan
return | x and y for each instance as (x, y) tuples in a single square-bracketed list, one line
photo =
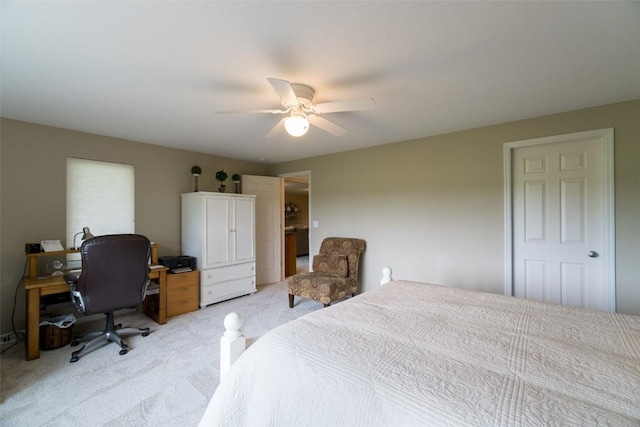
[(297, 100)]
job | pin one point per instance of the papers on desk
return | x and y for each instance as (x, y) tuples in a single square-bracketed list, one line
[(155, 266), (152, 288)]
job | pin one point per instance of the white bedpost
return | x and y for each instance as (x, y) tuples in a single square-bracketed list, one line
[(233, 343), (386, 276)]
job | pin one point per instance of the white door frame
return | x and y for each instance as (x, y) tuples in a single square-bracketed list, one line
[(306, 173), (608, 208)]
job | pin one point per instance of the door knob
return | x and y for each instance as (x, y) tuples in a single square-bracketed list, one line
[(593, 254)]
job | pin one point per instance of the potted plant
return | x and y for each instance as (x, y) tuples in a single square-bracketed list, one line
[(236, 180), (221, 176), (196, 171)]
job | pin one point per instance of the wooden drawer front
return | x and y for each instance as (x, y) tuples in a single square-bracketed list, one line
[(182, 293), (182, 306), (222, 291), (183, 279), (224, 274)]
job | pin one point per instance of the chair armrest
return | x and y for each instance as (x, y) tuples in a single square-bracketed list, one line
[(76, 297)]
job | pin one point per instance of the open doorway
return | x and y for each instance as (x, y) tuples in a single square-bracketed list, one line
[(297, 192)]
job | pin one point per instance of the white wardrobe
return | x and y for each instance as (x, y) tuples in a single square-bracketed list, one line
[(219, 230)]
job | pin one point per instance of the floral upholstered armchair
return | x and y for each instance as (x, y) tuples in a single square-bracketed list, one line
[(335, 272)]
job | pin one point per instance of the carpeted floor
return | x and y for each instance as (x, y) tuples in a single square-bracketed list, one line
[(166, 379)]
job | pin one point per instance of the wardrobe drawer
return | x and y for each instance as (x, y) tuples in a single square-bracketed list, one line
[(224, 274), (223, 291)]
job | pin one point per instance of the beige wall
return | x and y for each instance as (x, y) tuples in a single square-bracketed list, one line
[(33, 160), (432, 208), (429, 208)]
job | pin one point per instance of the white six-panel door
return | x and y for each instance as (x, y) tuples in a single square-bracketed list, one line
[(561, 218)]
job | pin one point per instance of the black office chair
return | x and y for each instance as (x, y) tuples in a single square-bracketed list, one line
[(115, 274)]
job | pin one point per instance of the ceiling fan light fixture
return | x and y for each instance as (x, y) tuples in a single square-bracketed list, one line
[(296, 125)]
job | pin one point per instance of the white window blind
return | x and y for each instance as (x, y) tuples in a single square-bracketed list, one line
[(100, 195)]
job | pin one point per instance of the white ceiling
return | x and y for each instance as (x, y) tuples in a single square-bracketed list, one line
[(157, 72)]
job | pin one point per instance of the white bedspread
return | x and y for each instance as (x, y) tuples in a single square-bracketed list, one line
[(412, 354)]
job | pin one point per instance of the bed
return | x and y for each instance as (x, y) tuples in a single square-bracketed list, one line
[(410, 354)]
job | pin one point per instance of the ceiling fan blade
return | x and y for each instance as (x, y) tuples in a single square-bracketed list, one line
[(277, 129), (284, 90), (326, 125), (350, 105), (252, 112)]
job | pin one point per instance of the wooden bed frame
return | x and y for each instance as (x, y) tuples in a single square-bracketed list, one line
[(233, 343)]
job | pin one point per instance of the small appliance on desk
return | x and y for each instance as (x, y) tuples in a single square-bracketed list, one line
[(178, 264)]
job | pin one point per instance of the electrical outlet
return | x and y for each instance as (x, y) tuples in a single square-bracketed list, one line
[(8, 338)]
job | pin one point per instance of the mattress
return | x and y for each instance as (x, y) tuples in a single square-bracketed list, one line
[(413, 354)]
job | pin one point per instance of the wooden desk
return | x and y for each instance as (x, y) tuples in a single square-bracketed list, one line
[(35, 288), (159, 312)]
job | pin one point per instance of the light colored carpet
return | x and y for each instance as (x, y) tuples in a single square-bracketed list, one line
[(166, 379)]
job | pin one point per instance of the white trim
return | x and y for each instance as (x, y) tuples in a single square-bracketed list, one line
[(609, 217), (306, 173), (607, 136), (507, 150)]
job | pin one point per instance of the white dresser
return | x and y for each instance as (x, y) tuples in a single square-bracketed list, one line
[(219, 230)]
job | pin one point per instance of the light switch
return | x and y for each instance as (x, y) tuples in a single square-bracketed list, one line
[(315, 224)]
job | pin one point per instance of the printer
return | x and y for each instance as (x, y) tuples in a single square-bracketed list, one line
[(178, 264)]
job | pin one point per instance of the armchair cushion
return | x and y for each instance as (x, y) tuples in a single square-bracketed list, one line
[(334, 264)]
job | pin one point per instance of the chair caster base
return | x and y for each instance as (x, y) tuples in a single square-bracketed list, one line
[(75, 354)]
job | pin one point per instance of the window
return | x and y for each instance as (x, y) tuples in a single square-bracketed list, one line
[(100, 195)]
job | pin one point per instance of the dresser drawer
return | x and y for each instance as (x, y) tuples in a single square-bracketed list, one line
[(182, 279), (226, 290), (224, 274)]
